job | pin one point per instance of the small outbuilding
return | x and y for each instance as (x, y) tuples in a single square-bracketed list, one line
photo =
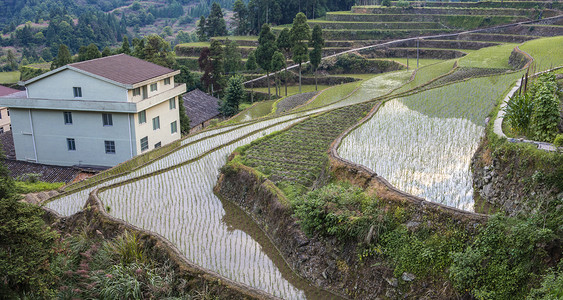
[(201, 108)]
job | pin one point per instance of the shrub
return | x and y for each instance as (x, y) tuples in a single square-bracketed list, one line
[(551, 286), (127, 249), (545, 115), (558, 141), (518, 112)]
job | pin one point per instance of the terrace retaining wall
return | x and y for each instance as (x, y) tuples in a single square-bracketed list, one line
[(94, 220)]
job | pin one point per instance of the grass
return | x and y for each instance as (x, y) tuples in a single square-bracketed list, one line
[(334, 94), (422, 62), (254, 111), (9, 77), (545, 52), (292, 89), (490, 57), (197, 44), (24, 187), (427, 73)]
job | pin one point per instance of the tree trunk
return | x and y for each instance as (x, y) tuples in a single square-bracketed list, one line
[(276, 83), (286, 79), (299, 78), (268, 79), (316, 86)]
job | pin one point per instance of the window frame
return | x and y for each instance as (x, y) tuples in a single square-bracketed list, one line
[(67, 117), (158, 145), (77, 91), (172, 103), (109, 147), (136, 91), (107, 119), (156, 123), (174, 127), (167, 81), (154, 87), (70, 144), (144, 141), (142, 116)]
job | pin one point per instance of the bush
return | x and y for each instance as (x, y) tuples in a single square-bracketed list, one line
[(558, 141), (545, 115), (551, 286), (519, 111)]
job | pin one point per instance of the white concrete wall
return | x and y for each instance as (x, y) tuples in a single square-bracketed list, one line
[(161, 87), (162, 135), (60, 86), (50, 135)]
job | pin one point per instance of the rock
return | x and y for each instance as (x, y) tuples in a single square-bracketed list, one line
[(303, 258), (392, 282), (370, 234), (324, 274), (412, 224), (408, 276), (486, 192)]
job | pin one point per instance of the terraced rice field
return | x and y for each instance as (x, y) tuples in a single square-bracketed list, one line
[(423, 144)]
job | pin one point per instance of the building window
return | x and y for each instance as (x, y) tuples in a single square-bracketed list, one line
[(157, 145), (110, 147), (0, 115), (167, 81), (136, 91), (107, 120), (68, 117), (145, 93), (1, 129), (8, 110), (172, 103), (173, 127), (156, 123), (70, 144), (145, 143), (77, 92), (142, 115), (153, 87)]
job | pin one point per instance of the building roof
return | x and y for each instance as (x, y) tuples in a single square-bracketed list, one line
[(200, 107), (4, 91), (7, 144), (122, 68), (48, 173)]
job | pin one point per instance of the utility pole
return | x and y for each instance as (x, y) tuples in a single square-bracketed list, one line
[(417, 49)]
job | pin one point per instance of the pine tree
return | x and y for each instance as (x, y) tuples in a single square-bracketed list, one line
[(284, 44), (278, 63), (184, 120), (205, 66), (317, 42), (300, 33), (92, 52), (251, 62), (125, 48), (265, 51), (215, 22), (201, 31), (240, 17), (233, 96), (63, 57), (217, 60), (106, 52), (233, 58), (157, 50)]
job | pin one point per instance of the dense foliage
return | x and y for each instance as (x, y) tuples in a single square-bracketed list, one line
[(233, 96)]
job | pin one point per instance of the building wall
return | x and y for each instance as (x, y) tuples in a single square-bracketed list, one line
[(162, 135), (160, 88), (60, 86), (4, 120), (49, 132)]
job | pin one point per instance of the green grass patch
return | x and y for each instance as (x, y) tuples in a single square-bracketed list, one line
[(545, 52), (292, 89), (25, 187), (334, 94), (422, 62), (427, 73), (9, 77), (491, 57), (254, 111)]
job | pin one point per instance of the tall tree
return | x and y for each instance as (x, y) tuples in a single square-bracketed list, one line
[(157, 51), (106, 52), (63, 57), (317, 42), (206, 66), (184, 120), (265, 51), (278, 63), (251, 62), (217, 60), (11, 60), (233, 96), (233, 58), (139, 48), (240, 17), (201, 29), (284, 44), (125, 48), (216, 25), (300, 34), (92, 52)]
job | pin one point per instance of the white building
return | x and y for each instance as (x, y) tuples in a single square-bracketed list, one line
[(4, 112), (98, 113)]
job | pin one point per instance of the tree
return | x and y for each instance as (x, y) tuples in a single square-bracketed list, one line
[(240, 17), (265, 51), (92, 52), (184, 120), (278, 63), (300, 33), (251, 62), (206, 66), (139, 48), (157, 50), (188, 78), (106, 52), (215, 22), (233, 96), (317, 42), (284, 44), (26, 245), (63, 57), (11, 60), (201, 31), (233, 58), (217, 61), (125, 48)]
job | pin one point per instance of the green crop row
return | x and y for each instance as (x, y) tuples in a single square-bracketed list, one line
[(375, 25)]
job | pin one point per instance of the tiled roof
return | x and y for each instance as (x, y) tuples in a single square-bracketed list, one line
[(6, 91), (7, 144), (200, 107), (122, 68), (48, 173)]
